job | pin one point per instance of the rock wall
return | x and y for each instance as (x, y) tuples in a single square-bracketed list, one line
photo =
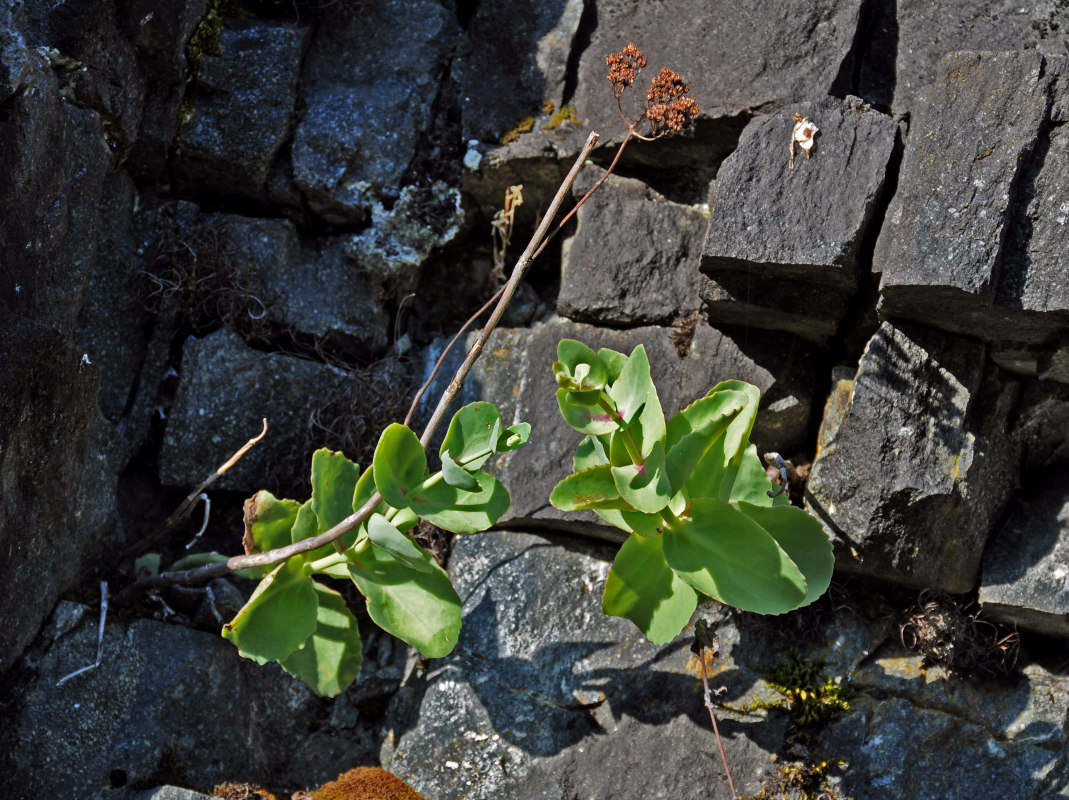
[(217, 211)]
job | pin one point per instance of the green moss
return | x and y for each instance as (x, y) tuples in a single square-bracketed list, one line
[(799, 781), (207, 39)]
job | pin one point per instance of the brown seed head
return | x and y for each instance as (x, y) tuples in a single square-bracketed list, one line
[(667, 106), (624, 67)]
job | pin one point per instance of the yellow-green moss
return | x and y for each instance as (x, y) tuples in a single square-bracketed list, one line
[(525, 125)]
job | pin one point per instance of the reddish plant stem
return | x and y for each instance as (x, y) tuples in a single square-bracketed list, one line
[(716, 729)]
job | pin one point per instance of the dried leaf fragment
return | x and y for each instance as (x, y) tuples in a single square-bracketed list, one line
[(803, 134)]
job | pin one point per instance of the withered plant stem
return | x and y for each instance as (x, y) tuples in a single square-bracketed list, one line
[(271, 557), (716, 729)]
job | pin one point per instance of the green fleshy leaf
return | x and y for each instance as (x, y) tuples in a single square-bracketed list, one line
[(305, 525), (421, 608), (578, 367), (514, 437), (365, 487), (334, 479), (645, 487), (459, 511), (647, 431), (591, 452), (614, 362), (722, 552), (383, 534), (631, 388), (472, 435), (400, 464), (582, 411), (456, 475), (268, 522), (278, 618), (752, 484), (715, 473), (148, 564), (802, 537), (330, 659), (647, 525), (592, 488), (691, 432), (642, 588)]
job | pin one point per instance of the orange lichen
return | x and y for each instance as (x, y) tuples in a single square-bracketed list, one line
[(366, 783)]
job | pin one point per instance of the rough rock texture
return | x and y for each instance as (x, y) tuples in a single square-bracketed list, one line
[(555, 706), (163, 707), (634, 257), (367, 93), (209, 422), (523, 388), (738, 60), (974, 236), (920, 467), (57, 462), (240, 108), (315, 287), (826, 203), (515, 61), (904, 41), (1025, 579), (534, 703)]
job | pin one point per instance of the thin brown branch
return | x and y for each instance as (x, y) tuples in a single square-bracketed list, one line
[(716, 729)]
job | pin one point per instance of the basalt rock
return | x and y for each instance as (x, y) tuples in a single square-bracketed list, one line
[(974, 237), (916, 474)]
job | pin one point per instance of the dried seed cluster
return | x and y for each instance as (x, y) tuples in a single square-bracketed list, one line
[(624, 68), (668, 108)]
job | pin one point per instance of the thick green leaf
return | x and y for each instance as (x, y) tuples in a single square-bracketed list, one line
[(752, 484), (692, 431), (330, 659), (722, 552), (647, 525), (645, 487), (459, 511), (642, 588), (305, 525), (614, 362), (279, 617), (383, 534), (456, 475), (737, 435), (472, 435), (400, 464), (582, 411), (591, 452), (804, 540), (365, 487), (631, 388), (715, 474), (422, 608), (334, 480), (514, 437), (578, 367), (646, 431), (592, 488), (268, 521)]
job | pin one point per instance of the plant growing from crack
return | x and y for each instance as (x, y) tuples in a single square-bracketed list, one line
[(690, 492)]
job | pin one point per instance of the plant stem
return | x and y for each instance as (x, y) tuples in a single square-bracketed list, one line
[(534, 247), (716, 730)]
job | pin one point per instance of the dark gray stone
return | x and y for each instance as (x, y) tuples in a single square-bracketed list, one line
[(959, 738), (57, 461), (226, 390), (1043, 427), (316, 288), (921, 466), (540, 702), (159, 31), (163, 707), (809, 311), (519, 380), (973, 237), (515, 60), (169, 793), (367, 92), (634, 257), (1025, 578), (781, 228), (241, 108), (738, 59), (901, 56)]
